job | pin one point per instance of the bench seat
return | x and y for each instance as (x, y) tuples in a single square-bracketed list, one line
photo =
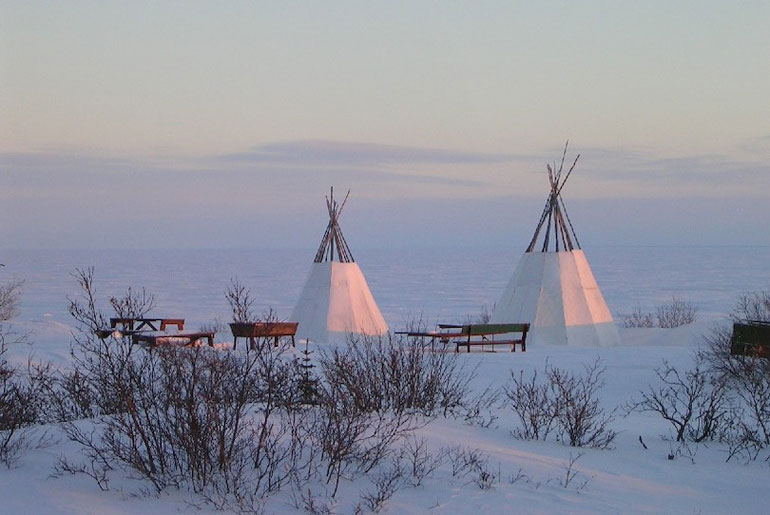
[(484, 334), (187, 338)]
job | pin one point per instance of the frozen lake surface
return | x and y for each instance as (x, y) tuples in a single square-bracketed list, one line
[(437, 284)]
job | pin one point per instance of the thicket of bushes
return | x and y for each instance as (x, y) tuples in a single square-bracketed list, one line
[(236, 427), (676, 313), (722, 397)]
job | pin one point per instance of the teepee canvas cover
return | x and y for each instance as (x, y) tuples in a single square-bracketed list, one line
[(553, 288), (336, 299)]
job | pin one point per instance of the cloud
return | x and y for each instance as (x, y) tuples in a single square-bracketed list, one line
[(647, 173), (292, 164), (759, 146), (320, 152)]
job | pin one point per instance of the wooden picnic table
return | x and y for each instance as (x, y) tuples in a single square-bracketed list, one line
[(468, 335), (441, 336), (151, 324), (131, 326)]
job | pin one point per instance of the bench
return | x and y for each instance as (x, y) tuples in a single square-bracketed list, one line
[(751, 338), (484, 334), (253, 330), (189, 337)]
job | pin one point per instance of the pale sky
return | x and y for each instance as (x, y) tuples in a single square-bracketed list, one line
[(205, 121)]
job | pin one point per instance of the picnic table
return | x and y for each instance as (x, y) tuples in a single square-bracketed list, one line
[(151, 324), (469, 335), (131, 326), (253, 330), (444, 333)]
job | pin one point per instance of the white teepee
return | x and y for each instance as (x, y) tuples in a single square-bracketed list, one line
[(553, 288), (336, 299)]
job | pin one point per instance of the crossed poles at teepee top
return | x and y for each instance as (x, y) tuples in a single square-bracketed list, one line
[(555, 211), (333, 237)]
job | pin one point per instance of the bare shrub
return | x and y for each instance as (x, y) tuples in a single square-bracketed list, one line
[(240, 300), (197, 418), (533, 403), (747, 428), (676, 313), (16, 411), (483, 317), (638, 318), (465, 460), (484, 478), (478, 409), (10, 295), (133, 304), (571, 473), (419, 464), (565, 404), (23, 401), (83, 307), (220, 424), (389, 374), (752, 306), (351, 437), (215, 326), (581, 419), (386, 484), (694, 402)]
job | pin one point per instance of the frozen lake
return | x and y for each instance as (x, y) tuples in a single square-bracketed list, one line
[(439, 284)]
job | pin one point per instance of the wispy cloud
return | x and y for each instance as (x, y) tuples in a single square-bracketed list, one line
[(292, 163), (320, 152), (700, 174)]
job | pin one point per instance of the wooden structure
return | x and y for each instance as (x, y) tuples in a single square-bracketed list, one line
[(130, 326), (475, 335), (186, 338), (553, 287), (484, 334), (751, 338), (333, 239), (335, 300), (149, 324), (253, 330)]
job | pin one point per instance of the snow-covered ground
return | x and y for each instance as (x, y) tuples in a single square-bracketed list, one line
[(530, 476)]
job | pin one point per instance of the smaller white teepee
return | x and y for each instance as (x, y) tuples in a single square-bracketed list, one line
[(336, 299)]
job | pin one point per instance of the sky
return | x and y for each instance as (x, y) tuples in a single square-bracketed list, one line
[(224, 124)]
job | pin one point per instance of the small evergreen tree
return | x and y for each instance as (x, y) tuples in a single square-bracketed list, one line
[(308, 382)]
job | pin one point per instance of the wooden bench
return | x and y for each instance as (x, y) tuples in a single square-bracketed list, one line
[(189, 337), (253, 330), (751, 338), (484, 334)]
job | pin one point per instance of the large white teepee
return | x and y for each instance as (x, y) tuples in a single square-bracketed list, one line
[(336, 299), (553, 288)]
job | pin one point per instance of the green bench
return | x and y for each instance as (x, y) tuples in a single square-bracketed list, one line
[(485, 334), (751, 338)]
